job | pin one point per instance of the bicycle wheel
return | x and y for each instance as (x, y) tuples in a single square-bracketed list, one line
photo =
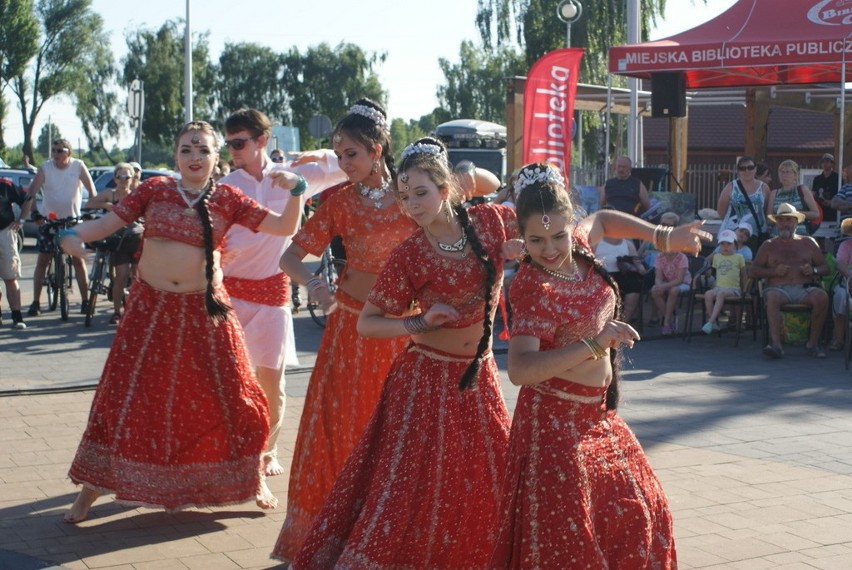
[(329, 269), (49, 285), (96, 284), (62, 287)]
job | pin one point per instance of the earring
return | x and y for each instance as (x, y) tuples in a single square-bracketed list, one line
[(447, 209), (375, 167)]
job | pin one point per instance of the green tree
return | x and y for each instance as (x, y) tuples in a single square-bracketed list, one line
[(533, 25), (476, 86), (46, 136), (326, 81), (156, 58), (249, 75), (69, 33), (97, 101), (18, 45)]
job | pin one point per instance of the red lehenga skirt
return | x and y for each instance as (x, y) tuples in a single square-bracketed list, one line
[(579, 491), (178, 418), (422, 488), (342, 393)]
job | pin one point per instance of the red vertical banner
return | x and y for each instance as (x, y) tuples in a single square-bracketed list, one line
[(549, 108)]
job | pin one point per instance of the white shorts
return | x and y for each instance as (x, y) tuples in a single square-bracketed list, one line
[(269, 334), (10, 261)]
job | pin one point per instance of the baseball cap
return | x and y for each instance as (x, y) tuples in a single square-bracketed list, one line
[(727, 236), (135, 166), (828, 156), (745, 226)]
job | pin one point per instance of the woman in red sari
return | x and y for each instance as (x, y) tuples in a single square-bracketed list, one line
[(422, 486), (579, 491), (178, 418), (349, 371)]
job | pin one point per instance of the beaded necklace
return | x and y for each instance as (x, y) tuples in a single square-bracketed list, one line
[(574, 276), (375, 194)]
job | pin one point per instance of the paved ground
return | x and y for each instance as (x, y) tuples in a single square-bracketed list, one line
[(755, 455)]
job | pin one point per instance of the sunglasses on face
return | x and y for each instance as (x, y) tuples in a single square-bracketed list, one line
[(746, 167), (123, 177), (277, 159), (58, 150), (237, 144)]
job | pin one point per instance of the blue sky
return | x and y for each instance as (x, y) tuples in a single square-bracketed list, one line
[(414, 35)]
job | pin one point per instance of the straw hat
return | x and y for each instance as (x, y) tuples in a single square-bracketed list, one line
[(788, 210)]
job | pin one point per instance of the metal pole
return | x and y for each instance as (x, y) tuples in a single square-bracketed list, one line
[(187, 92), (568, 35), (634, 151)]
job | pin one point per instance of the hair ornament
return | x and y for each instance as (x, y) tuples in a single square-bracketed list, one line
[(338, 138), (421, 148), (371, 113), (404, 178), (529, 176), (195, 140)]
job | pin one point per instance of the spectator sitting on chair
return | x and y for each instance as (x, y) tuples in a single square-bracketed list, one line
[(671, 279), (730, 277), (625, 192), (790, 263), (841, 292)]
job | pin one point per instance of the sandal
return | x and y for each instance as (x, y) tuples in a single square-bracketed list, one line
[(773, 351), (815, 351)]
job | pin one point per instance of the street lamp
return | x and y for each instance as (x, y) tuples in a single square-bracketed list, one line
[(569, 11)]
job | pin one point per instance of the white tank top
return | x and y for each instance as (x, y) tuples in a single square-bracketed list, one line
[(62, 190), (608, 253)]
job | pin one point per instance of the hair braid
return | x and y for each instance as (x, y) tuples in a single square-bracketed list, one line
[(612, 391), (469, 375), (216, 309)]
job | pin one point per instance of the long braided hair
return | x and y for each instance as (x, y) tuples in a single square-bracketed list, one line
[(429, 155), (547, 195), (217, 309), (367, 123)]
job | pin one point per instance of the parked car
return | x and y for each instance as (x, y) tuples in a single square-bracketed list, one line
[(22, 179), (98, 171), (107, 182)]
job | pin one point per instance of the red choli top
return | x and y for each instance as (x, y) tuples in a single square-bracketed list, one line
[(158, 201), (415, 271), (559, 312), (369, 234)]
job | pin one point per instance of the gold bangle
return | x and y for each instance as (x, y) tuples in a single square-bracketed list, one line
[(597, 350)]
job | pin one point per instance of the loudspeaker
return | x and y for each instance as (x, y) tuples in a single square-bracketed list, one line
[(668, 94)]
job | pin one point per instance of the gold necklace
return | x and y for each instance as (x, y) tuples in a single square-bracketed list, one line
[(574, 276)]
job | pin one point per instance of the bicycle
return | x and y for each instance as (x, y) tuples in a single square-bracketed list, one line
[(60, 272), (329, 271), (101, 270)]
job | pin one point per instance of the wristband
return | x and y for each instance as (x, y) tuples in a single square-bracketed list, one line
[(300, 187)]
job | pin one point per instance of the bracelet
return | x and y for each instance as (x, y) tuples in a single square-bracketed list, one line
[(669, 239), (67, 232), (417, 325), (314, 283), (300, 187), (597, 350)]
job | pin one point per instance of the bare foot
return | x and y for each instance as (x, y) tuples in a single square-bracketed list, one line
[(265, 499), (271, 467), (80, 509)]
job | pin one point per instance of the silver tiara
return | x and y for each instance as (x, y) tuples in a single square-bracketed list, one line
[(421, 148), (529, 176), (370, 113)]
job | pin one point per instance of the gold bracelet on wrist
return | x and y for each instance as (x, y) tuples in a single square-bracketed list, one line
[(598, 351)]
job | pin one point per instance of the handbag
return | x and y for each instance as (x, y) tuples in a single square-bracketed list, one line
[(810, 225), (626, 264), (754, 242)]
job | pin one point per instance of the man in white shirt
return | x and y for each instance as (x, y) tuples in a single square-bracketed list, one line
[(257, 286), (62, 179)]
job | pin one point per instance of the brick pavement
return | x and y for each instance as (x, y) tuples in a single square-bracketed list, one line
[(755, 456)]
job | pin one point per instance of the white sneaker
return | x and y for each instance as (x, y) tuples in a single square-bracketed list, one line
[(20, 325), (707, 328)]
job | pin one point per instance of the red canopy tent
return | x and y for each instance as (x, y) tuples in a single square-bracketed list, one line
[(755, 42)]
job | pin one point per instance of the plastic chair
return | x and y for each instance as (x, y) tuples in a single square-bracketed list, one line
[(747, 304), (785, 308)]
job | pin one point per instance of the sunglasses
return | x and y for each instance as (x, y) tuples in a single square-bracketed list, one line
[(58, 150), (237, 144), (123, 177), (277, 159), (746, 167)]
